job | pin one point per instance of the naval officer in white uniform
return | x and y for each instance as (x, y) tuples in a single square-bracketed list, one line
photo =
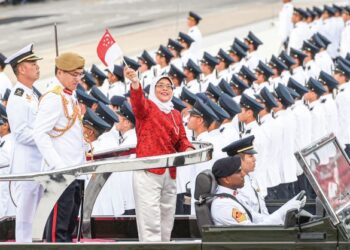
[(21, 110)]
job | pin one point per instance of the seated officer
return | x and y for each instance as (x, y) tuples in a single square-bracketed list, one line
[(229, 209), (250, 193)]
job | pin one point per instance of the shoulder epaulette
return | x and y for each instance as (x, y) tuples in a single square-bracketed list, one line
[(57, 90)]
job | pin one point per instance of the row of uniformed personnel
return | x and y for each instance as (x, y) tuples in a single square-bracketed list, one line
[(210, 95)]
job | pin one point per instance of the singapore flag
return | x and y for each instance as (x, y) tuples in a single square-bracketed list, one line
[(108, 50)]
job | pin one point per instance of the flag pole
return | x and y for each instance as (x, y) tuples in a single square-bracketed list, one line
[(56, 38)]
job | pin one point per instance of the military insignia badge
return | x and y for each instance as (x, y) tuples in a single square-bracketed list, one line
[(238, 215), (19, 92), (28, 97)]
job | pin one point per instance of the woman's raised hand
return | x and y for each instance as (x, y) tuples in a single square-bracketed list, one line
[(131, 74)]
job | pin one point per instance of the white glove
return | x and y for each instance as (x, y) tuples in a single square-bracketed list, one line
[(303, 202), (294, 204), (295, 197)]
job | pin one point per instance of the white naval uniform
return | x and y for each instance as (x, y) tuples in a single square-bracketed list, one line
[(259, 144), (257, 87), (285, 21), (314, 27), (288, 169), (270, 154), (303, 122), (253, 59), (275, 81), (224, 74), (117, 194), (205, 80), (343, 105), (162, 71), (234, 68), (345, 40), (299, 75), (226, 211), (284, 77), (298, 35), (196, 46), (26, 158), (319, 129), (5, 84), (197, 168), (177, 62), (106, 141), (177, 91), (251, 197), (194, 86), (228, 133), (117, 88), (324, 61), (186, 55), (146, 78), (312, 70), (7, 208), (330, 29), (331, 112), (183, 174), (318, 117)]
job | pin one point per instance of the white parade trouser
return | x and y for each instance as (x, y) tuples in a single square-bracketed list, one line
[(155, 202), (27, 197)]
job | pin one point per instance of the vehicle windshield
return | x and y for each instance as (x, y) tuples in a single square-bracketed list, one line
[(328, 171)]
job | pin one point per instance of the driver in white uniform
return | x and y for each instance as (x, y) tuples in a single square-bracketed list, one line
[(229, 210)]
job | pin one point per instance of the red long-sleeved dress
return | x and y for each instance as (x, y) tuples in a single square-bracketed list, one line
[(156, 131)]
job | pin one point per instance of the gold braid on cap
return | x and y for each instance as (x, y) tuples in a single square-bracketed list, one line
[(71, 118), (244, 149)]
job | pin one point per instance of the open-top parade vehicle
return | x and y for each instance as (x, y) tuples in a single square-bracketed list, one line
[(327, 226)]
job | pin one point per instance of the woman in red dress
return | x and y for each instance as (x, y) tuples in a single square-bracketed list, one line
[(159, 131)]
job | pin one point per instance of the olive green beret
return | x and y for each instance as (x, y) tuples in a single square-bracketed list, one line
[(69, 61)]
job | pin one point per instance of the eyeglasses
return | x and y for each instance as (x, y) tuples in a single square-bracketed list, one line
[(166, 86), (75, 74)]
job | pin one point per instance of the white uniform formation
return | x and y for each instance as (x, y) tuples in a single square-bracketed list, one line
[(230, 92)]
